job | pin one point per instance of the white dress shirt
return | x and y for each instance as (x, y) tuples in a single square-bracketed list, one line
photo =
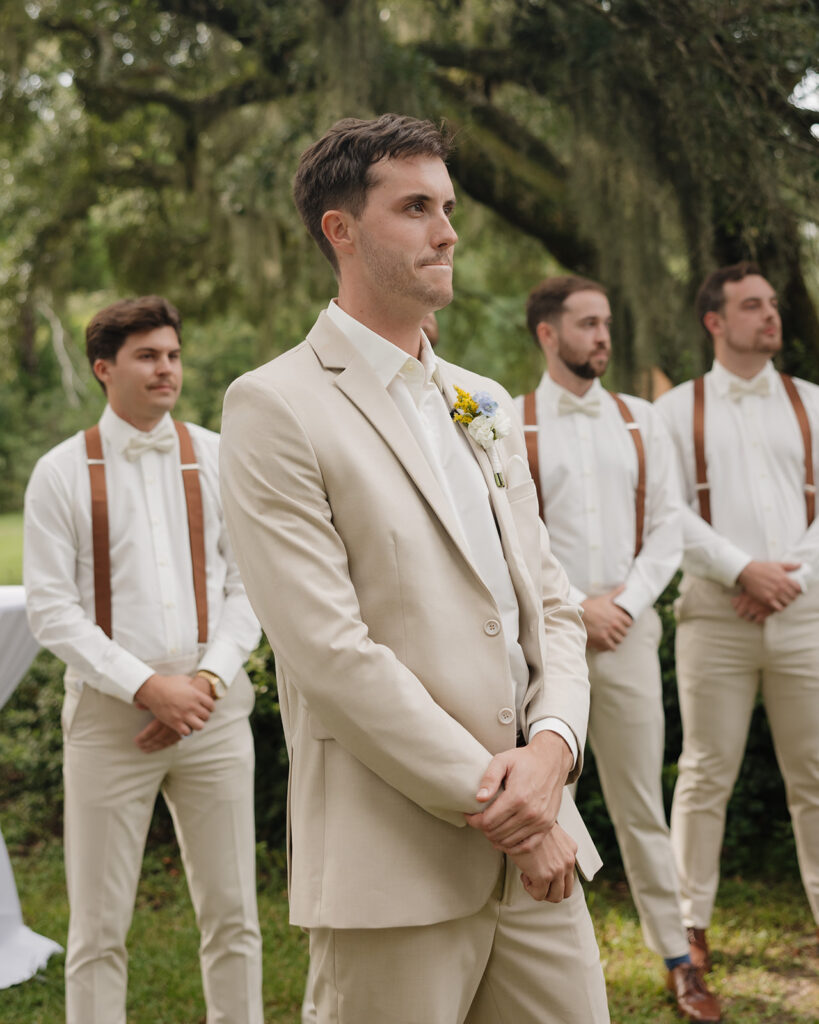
[(414, 385), (153, 605), (588, 475), (756, 471)]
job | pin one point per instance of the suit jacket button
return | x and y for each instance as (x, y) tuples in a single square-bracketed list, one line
[(506, 716), (491, 627)]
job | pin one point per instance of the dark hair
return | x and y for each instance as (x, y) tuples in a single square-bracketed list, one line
[(109, 329), (334, 173), (546, 299), (711, 296)]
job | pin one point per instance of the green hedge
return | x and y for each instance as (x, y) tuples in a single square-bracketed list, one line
[(31, 780)]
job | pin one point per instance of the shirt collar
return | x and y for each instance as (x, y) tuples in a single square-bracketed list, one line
[(118, 432), (387, 360), (552, 392), (722, 377)]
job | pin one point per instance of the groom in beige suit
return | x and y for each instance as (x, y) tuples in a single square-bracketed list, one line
[(431, 668)]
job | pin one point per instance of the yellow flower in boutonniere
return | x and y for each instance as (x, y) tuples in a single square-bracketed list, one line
[(486, 423)]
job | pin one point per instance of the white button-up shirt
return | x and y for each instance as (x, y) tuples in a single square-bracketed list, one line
[(154, 621), (588, 476), (414, 385), (756, 471)]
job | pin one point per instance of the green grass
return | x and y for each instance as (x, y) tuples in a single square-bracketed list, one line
[(766, 960), (164, 981), (11, 548), (766, 968)]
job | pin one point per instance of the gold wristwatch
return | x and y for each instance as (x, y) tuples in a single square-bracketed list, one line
[(217, 687)]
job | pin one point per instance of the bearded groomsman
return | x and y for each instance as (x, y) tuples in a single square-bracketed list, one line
[(130, 580), (603, 464), (746, 437)]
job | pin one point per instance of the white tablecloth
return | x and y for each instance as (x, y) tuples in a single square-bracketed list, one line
[(17, 645), (22, 951)]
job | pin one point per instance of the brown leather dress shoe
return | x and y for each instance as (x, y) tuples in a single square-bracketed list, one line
[(694, 1001), (698, 948)]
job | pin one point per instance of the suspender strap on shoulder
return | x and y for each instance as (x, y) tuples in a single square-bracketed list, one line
[(807, 442), (640, 490), (703, 490), (196, 526), (100, 534), (530, 432), (99, 529)]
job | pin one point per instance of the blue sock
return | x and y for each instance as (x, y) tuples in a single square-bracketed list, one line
[(675, 961)]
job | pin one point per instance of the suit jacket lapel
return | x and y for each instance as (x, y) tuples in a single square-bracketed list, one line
[(358, 382), (521, 577)]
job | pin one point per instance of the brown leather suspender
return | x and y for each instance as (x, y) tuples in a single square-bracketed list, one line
[(530, 432), (703, 490), (530, 428), (99, 529), (196, 526), (101, 541), (807, 443), (640, 489)]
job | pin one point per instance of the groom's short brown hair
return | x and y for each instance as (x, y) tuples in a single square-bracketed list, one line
[(334, 173)]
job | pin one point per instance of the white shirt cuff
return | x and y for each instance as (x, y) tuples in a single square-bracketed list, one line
[(559, 726), (634, 599), (576, 595), (122, 675), (223, 658)]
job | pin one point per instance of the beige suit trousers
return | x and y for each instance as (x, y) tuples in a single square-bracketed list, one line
[(626, 733), (110, 791), (516, 961), (722, 661)]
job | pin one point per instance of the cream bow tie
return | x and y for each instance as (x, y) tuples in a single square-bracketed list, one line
[(740, 388), (159, 440), (568, 403)]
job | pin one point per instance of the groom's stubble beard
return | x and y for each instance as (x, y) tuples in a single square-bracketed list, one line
[(396, 275)]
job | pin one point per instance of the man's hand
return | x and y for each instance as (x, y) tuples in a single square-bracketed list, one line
[(606, 622), (156, 736), (175, 702), (547, 869), (750, 609), (531, 779), (770, 583)]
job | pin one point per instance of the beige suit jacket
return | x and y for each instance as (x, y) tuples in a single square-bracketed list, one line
[(393, 680)]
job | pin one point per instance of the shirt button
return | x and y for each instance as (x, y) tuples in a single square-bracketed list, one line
[(491, 627), (506, 716)]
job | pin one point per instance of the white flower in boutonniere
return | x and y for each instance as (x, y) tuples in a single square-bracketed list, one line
[(485, 421)]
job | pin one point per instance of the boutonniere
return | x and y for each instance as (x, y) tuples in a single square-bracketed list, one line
[(485, 421)]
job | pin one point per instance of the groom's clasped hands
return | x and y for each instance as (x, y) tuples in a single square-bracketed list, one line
[(524, 788)]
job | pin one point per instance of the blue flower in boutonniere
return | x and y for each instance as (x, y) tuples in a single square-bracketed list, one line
[(485, 421)]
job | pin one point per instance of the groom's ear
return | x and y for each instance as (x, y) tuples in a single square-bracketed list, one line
[(337, 225)]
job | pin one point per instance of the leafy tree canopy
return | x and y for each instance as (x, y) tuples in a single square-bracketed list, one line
[(149, 146)]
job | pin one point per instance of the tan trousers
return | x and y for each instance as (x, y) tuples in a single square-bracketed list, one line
[(110, 791), (514, 962), (721, 663), (626, 733)]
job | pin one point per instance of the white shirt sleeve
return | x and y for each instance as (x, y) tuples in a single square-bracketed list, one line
[(56, 614), (661, 553)]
